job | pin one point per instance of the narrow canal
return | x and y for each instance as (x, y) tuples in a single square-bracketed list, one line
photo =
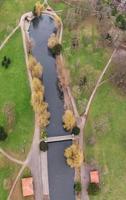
[(61, 177)]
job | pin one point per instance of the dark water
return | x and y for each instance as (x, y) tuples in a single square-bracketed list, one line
[(61, 177)]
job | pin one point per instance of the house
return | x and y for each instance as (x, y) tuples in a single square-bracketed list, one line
[(27, 187), (94, 177)]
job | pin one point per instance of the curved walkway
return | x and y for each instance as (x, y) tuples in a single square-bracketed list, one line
[(10, 157)]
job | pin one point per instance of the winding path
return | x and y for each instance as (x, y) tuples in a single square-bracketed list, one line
[(10, 157)]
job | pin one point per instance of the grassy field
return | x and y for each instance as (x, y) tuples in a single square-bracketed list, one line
[(105, 141), (14, 89), (86, 60), (8, 172)]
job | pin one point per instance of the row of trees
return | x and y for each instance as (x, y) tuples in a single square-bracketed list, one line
[(37, 100)]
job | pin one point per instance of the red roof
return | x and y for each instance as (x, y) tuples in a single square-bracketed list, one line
[(27, 186), (94, 177)]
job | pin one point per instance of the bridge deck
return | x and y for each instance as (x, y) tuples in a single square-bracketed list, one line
[(60, 138)]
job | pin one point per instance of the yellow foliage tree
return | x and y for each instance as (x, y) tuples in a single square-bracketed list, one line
[(52, 41), (69, 120), (43, 119), (37, 71), (39, 7), (37, 85), (74, 156), (37, 98), (32, 62)]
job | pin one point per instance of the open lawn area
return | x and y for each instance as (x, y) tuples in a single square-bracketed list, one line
[(86, 60), (15, 91), (105, 137), (8, 172)]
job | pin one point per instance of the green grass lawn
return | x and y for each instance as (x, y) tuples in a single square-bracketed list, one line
[(107, 129), (8, 172), (14, 88)]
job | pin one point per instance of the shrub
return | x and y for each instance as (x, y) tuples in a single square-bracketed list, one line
[(74, 156), (121, 21), (43, 119), (69, 120), (93, 189), (44, 135), (56, 50), (77, 187), (76, 130), (43, 146), (32, 62), (6, 62), (3, 134)]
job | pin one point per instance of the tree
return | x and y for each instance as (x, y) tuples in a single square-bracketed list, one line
[(74, 156), (37, 98), (68, 120), (76, 130), (56, 50), (43, 119), (77, 187), (37, 70), (52, 41), (37, 85), (32, 62), (43, 146), (38, 9), (3, 134)]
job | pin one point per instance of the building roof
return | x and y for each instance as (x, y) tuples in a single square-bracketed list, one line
[(27, 186), (94, 177)]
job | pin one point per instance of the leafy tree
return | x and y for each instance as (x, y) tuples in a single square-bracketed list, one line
[(121, 21), (76, 130), (74, 156), (77, 187), (3, 134), (69, 120), (43, 146), (37, 98), (56, 50)]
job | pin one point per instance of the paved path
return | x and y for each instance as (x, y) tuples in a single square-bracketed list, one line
[(9, 36)]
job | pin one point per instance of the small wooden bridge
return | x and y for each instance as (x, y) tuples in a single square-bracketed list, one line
[(59, 138)]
